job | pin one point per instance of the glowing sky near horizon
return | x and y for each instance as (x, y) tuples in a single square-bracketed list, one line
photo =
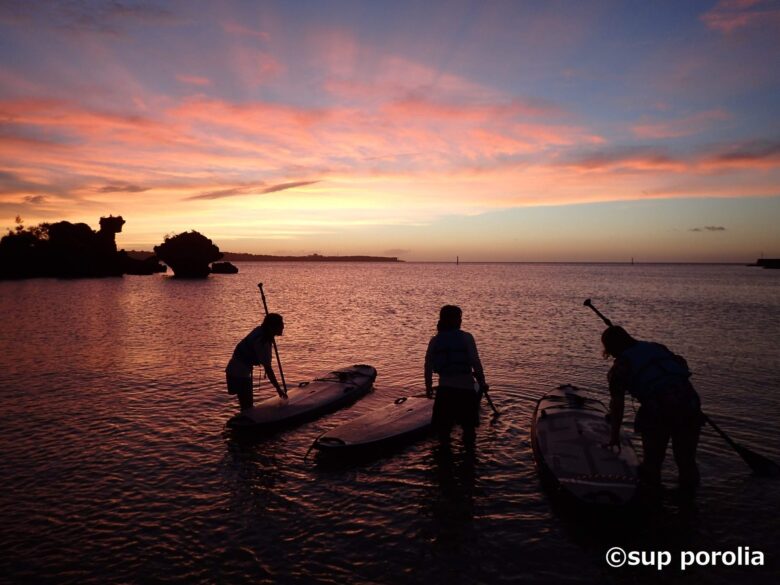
[(514, 130)]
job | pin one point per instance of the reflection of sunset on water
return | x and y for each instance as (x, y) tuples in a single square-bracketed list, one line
[(113, 406)]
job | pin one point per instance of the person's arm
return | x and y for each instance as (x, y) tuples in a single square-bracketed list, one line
[(269, 372), (618, 377), (476, 364), (429, 370), (264, 351)]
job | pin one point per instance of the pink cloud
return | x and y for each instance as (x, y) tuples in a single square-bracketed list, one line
[(194, 80), (729, 16), (680, 127), (626, 160), (236, 29), (764, 154), (254, 67), (476, 113)]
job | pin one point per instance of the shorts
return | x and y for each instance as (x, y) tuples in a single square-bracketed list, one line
[(236, 385), (456, 406), (673, 408)]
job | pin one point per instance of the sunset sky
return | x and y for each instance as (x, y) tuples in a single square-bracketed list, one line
[(512, 130)]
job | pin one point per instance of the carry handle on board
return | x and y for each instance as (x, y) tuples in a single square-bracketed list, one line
[(758, 463), (273, 340)]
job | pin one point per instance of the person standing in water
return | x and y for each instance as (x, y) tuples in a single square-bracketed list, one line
[(452, 354), (669, 405), (254, 350)]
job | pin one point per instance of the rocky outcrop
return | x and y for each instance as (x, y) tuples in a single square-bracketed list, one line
[(188, 254), (224, 268)]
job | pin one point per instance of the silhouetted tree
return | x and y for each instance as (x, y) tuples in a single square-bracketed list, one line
[(62, 249), (188, 254), (23, 251)]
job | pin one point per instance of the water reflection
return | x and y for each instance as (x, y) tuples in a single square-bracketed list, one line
[(111, 426), (452, 505)]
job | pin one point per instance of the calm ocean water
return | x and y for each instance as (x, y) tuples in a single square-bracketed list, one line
[(115, 468)]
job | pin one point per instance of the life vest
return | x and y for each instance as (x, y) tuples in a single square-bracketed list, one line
[(451, 353), (245, 350), (654, 368)]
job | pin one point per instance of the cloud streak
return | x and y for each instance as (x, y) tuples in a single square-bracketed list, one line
[(250, 190), (122, 188), (709, 228)]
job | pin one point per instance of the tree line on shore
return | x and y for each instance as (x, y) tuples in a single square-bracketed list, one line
[(74, 250), (67, 250)]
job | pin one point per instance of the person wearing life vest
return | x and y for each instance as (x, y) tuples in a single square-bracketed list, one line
[(254, 350), (452, 354), (669, 405)]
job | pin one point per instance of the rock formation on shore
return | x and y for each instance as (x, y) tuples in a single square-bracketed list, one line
[(188, 254)]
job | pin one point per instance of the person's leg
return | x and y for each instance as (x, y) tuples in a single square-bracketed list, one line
[(654, 443), (442, 418), (684, 443), (241, 387), (468, 417)]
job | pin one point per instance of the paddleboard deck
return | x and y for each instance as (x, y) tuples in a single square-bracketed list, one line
[(392, 424), (569, 433), (308, 400)]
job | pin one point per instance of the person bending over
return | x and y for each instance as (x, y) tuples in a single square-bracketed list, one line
[(254, 350), (669, 405)]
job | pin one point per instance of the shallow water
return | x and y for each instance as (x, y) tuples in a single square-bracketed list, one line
[(115, 468)]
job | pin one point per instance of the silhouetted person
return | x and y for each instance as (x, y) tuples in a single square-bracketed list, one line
[(452, 354), (669, 405), (254, 350)]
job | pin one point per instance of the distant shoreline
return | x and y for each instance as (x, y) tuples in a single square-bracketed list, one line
[(246, 257)]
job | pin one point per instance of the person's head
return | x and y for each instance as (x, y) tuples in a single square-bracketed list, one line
[(450, 317), (273, 324), (616, 340)]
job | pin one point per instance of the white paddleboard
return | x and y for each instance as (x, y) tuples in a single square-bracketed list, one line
[(390, 424), (569, 433), (308, 400)]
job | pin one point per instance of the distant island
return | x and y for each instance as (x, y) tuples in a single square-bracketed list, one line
[(245, 257), (67, 250)]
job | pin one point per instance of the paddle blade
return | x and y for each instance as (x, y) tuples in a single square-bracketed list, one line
[(758, 463)]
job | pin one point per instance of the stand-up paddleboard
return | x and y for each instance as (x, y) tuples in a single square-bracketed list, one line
[(392, 424), (569, 433), (308, 400)]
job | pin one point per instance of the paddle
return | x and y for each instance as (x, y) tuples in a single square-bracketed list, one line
[(489, 401), (273, 340), (758, 463), (587, 303)]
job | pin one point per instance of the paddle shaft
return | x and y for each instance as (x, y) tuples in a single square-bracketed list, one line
[(273, 340), (718, 430), (587, 303), (758, 463), (489, 401)]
